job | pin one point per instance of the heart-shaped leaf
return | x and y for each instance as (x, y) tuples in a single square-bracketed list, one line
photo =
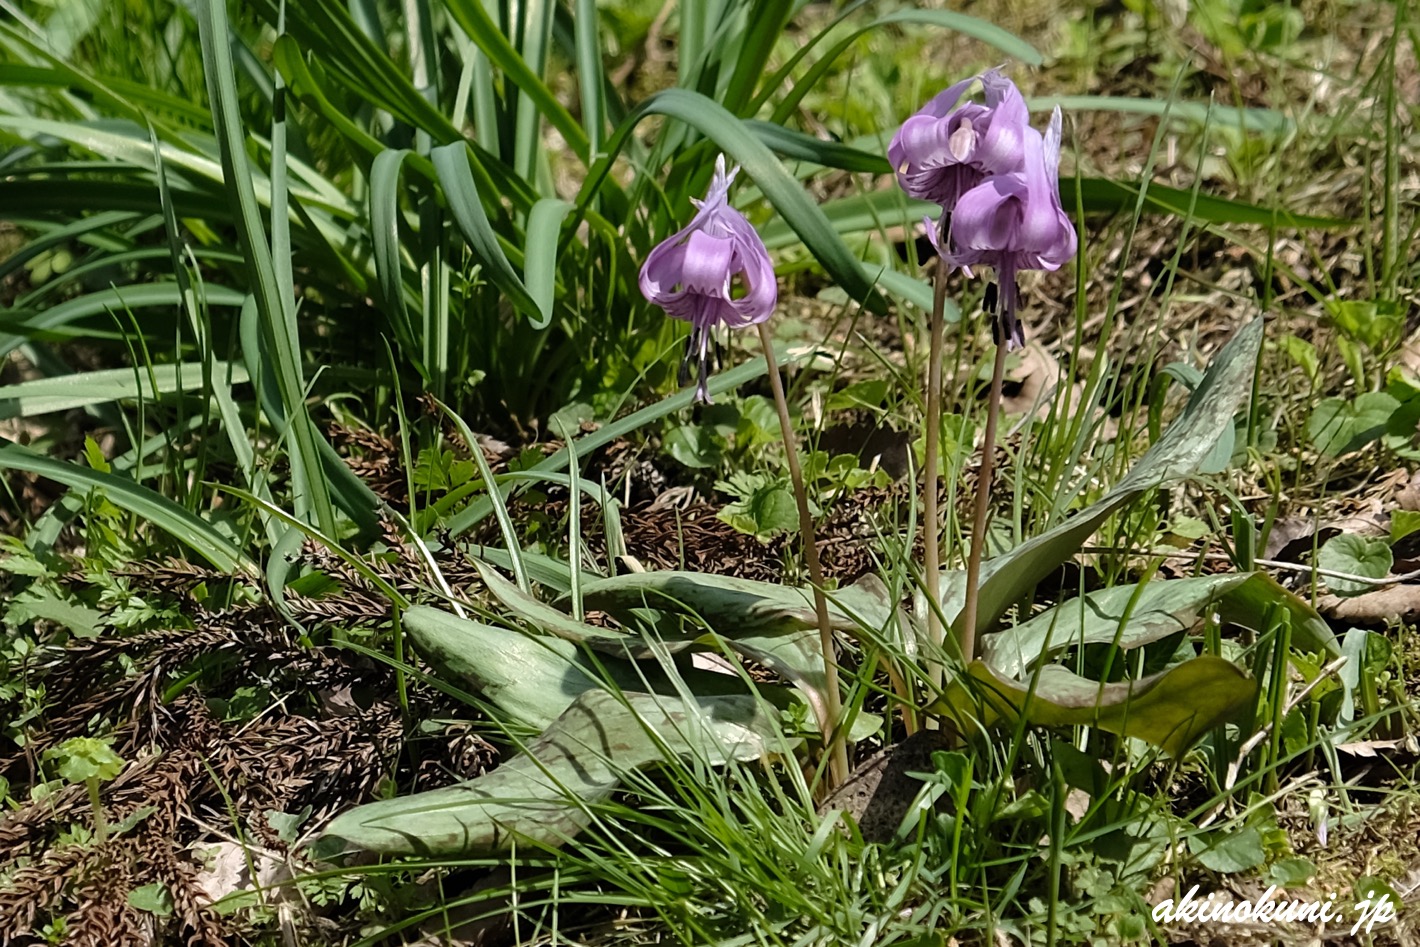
[(1338, 426), (1355, 555)]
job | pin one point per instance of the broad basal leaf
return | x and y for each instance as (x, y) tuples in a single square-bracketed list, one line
[(772, 624), (558, 622), (1170, 709), (531, 679), (1185, 445), (735, 606), (1132, 617), (544, 795)]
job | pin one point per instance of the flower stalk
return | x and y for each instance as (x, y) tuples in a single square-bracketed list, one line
[(966, 622), (931, 474), (831, 714), (716, 273), (995, 178)]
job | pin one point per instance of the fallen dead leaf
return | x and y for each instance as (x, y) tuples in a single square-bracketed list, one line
[(1384, 605), (1408, 496), (1077, 803), (1373, 748), (226, 868), (1293, 537), (1031, 379)]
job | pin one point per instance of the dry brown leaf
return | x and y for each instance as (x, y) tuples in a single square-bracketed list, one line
[(1031, 379), (1384, 605), (879, 791), (1408, 496), (1077, 803), (1373, 748)]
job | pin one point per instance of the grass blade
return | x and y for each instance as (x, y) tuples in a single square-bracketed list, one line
[(183, 525), (738, 141), (277, 310), (384, 233), (451, 162), (540, 256), (474, 20)]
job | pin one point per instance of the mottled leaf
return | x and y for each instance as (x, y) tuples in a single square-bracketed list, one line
[(1176, 454), (1170, 709), (1159, 609), (544, 796)]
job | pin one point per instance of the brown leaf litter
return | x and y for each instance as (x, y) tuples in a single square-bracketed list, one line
[(193, 780)]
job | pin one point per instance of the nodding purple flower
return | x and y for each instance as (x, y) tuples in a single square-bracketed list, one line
[(947, 148), (715, 272), (1015, 222)]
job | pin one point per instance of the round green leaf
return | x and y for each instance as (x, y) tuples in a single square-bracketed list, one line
[(1356, 555)]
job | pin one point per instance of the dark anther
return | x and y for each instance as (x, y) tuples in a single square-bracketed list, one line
[(683, 376), (989, 303)]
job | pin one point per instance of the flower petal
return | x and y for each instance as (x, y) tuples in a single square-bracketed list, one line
[(988, 216), (661, 272), (707, 263), (1002, 145), (691, 274)]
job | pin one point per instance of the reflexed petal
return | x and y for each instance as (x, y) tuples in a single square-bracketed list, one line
[(760, 298), (1047, 235), (921, 140), (946, 100), (933, 236), (948, 146), (690, 275), (716, 202), (1052, 143), (661, 272)]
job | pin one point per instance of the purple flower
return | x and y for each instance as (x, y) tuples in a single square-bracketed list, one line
[(1015, 222), (715, 272), (947, 148)]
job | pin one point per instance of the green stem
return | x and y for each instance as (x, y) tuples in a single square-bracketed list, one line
[(832, 713), (967, 623), (100, 823)]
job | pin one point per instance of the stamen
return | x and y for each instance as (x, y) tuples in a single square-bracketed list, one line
[(962, 142), (682, 377)]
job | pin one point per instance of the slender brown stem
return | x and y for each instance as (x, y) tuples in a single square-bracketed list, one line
[(966, 629), (931, 527), (831, 718)]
